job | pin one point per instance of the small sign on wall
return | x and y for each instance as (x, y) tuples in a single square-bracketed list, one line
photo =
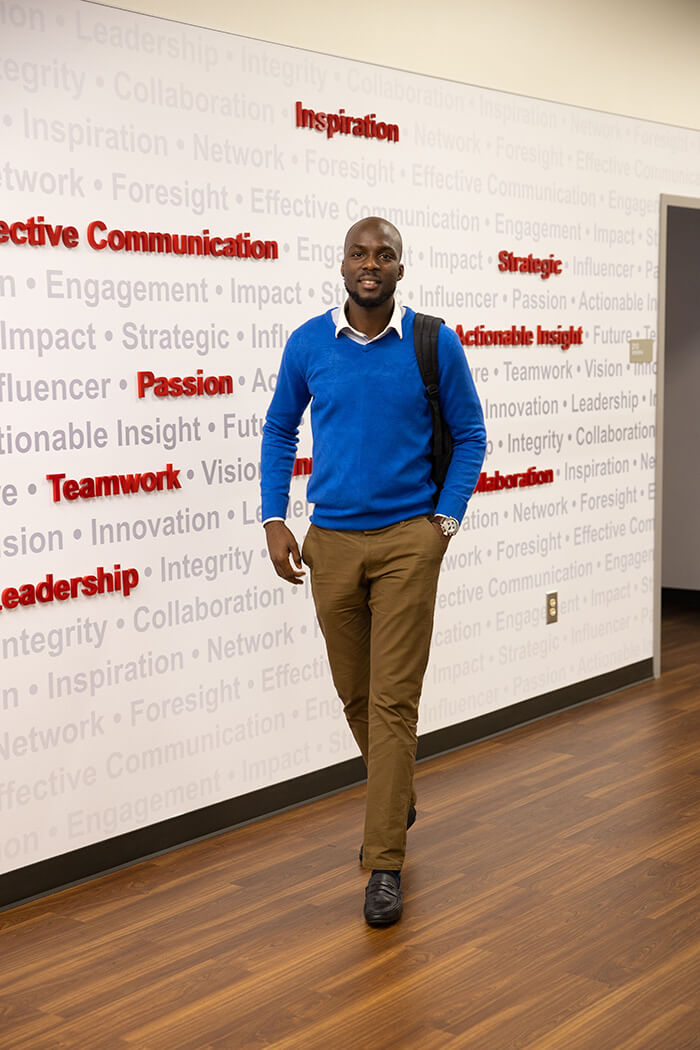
[(641, 350)]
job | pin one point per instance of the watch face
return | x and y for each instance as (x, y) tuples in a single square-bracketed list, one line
[(449, 526)]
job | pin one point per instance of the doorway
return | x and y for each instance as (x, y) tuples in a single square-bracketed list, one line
[(677, 493)]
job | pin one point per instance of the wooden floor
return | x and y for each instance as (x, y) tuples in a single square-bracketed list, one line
[(552, 902)]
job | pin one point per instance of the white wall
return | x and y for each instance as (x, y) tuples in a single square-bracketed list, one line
[(633, 57), (112, 747)]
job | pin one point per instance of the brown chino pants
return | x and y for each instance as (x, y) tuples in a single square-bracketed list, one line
[(374, 593)]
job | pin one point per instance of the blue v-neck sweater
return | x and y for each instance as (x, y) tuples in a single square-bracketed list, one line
[(371, 427)]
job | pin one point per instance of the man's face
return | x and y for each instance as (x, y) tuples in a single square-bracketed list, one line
[(372, 262)]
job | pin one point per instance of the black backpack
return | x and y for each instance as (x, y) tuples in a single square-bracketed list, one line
[(425, 338)]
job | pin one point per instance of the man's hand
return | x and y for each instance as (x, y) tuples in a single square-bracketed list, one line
[(280, 544), (435, 522)]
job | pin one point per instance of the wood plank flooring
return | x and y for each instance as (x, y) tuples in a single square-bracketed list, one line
[(552, 903)]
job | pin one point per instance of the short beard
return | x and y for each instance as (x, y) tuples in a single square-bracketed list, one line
[(369, 304)]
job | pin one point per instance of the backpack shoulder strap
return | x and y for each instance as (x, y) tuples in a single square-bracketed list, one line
[(425, 338)]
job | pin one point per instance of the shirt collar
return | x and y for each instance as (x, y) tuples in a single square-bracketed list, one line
[(343, 326)]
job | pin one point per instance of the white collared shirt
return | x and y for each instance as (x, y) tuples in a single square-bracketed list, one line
[(343, 326)]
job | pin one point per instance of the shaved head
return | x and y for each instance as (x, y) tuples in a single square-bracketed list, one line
[(386, 229), (371, 265)]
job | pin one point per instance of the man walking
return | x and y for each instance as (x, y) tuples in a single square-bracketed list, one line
[(375, 545)]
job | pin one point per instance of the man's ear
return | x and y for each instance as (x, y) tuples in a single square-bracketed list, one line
[(400, 273), (342, 269)]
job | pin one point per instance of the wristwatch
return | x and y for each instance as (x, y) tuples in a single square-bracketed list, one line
[(449, 526)]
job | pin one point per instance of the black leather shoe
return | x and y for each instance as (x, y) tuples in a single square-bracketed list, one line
[(383, 904), (410, 821)]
